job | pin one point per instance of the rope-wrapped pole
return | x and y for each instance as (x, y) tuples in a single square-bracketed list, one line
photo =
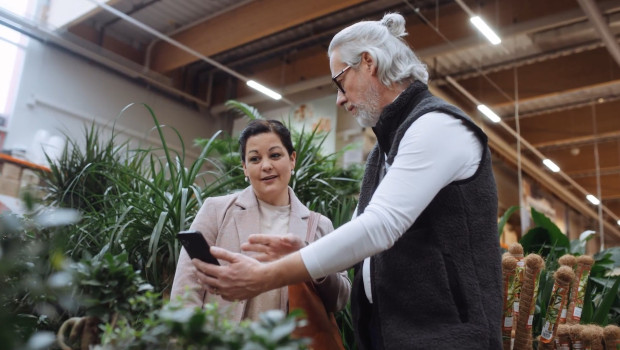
[(592, 336), (575, 336), (562, 341), (570, 261), (509, 265), (563, 277), (534, 263), (580, 282), (611, 333)]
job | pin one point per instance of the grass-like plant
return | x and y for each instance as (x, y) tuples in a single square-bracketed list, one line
[(133, 199)]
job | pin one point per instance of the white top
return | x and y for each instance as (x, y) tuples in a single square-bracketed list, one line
[(440, 149), (274, 220)]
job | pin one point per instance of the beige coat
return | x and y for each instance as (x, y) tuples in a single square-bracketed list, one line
[(226, 222)]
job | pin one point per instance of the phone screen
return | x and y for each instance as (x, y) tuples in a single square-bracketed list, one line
[(196, 246)]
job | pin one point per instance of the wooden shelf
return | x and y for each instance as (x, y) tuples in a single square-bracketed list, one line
[(22, 163)]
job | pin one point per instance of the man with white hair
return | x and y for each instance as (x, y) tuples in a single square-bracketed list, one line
[(424, 239)]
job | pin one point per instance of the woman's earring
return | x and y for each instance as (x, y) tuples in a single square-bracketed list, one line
[(292, 172), (246, 179)]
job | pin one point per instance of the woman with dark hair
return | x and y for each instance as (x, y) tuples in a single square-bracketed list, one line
[(259, 221)]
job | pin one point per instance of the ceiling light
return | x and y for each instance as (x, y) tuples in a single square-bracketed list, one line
[(593, 199), (618, 222), (551, 165), (264, 90), (485, 30), (489, 113)]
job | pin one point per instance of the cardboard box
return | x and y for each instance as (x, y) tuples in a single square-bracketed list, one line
[(10, 187), (10, 171)]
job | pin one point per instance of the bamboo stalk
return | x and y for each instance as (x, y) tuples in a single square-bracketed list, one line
[(534, 263)]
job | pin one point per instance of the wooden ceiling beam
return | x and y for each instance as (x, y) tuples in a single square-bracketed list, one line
[(610, 185), (582, 157), (454, 25), (613, 170), (576, 141), (240, 26), (107, 42), (544, 79)]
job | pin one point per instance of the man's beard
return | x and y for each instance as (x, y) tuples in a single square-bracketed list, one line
[(367, 113)]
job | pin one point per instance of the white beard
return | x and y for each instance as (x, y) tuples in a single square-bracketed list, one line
[(368, 113)]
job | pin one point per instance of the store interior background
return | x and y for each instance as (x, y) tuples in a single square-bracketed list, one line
[(554, 81)]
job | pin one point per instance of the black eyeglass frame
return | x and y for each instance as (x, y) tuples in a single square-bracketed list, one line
[(335, 79)]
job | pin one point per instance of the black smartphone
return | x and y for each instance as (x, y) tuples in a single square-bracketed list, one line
[(196, 246)]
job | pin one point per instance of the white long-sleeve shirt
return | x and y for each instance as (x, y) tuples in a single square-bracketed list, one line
[(436, 150)]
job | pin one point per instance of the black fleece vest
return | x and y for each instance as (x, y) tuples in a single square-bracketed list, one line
[(439, 286)]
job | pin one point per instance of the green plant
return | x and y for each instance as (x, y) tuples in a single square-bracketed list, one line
[(134, 199), (602, 297), (41, 288), (34, 297), (174, 327), (105, 284)]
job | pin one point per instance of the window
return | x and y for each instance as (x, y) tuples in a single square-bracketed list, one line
[(12, 45)]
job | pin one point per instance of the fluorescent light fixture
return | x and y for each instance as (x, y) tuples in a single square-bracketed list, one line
[(485, 30), (489, 113), (264, 90), (593, 199), (551, 165)]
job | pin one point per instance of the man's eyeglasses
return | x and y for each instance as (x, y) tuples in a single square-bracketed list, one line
[(335, 79)]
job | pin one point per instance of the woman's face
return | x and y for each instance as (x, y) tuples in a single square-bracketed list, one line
[(268, 167)]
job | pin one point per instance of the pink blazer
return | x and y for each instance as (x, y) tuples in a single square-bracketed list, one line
[(226, 222)]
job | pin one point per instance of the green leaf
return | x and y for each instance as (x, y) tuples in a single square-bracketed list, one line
[(558, 238), (244, 109), (505, 217), (613, 254), (588, 306), (601, 314), (535, 239)]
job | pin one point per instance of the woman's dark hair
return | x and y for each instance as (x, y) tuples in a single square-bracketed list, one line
[(261, 126)]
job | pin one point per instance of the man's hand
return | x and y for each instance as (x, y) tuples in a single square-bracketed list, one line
[(242, 279), (270, 247)]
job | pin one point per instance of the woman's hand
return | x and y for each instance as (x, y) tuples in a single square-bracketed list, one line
[(245, 277), (239, 280), (270, 247)]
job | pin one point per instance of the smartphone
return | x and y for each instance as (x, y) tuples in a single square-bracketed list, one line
[(196, 246)]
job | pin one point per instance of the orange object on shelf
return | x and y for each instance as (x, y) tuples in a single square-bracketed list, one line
[(22, 163)]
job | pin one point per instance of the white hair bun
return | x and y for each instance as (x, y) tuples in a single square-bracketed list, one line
[(395, 23)]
